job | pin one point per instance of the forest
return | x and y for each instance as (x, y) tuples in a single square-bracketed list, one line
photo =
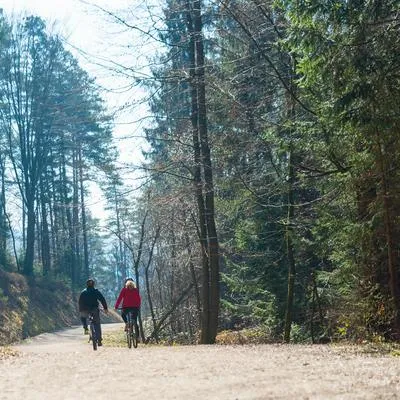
[(269, 202)]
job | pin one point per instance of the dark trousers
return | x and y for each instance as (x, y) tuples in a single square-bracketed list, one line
[(135, 313), (96, 321)]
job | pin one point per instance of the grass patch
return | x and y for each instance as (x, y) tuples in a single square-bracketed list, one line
[(115, 338)]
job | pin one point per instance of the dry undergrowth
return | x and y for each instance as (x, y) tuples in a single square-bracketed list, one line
[(244, 336), (7, 352), (380, 349)]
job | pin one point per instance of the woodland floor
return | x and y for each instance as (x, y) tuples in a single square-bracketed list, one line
[(62, 366)]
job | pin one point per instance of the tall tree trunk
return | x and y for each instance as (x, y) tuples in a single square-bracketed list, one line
[(30, 238), (122, 269), (136, 263), (6, 225), (147, 280), (54, 228), (192, 271), (67, 225), (213, 245), (289, 251), (392, 253), (86, 267), (45, 240), (3, 212), (203, 171), (75, 239), (291, 116), (198, 184)]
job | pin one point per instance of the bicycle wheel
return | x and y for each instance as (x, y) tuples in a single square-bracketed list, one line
[(93, 336), (129, 335), (134, 337), (129, 330)]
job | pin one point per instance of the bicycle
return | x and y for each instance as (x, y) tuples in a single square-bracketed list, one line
[(92, 330), (132, 330)]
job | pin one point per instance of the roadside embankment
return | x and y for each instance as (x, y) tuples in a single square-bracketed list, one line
[(30, 306)]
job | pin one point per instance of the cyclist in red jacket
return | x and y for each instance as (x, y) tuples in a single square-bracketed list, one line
[(130, 298)]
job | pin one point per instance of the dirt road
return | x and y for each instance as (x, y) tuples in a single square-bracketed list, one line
[(63, 366)]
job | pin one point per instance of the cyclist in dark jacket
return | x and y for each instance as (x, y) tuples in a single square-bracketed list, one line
[(89, 302)]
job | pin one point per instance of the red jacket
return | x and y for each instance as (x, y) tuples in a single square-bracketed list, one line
[(129, 298)]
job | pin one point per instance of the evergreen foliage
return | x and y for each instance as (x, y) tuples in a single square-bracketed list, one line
[(302, 119)]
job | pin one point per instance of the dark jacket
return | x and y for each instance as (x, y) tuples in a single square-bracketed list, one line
[(89, 300)]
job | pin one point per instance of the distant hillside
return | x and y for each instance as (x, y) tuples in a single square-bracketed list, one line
[(29, 307)]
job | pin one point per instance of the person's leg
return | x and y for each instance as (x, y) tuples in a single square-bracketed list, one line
[(135, 313), (124, 317), (84, 316)]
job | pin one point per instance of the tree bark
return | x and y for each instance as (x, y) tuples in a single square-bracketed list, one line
[(290, 252), (30, 239), (147, 280), (198, 184), (213, 245), (203, 177), (76, 269), (392, 254), (45, 239), (3, 212), (86, 266)]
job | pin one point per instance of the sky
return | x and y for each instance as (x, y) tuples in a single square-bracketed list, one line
[(100, 44), (78, 17)]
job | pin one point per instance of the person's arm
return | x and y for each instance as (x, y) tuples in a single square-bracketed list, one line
[(121, 295), (80, 302), (102, 300)]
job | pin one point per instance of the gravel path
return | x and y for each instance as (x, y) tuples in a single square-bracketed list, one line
[(63, 366)]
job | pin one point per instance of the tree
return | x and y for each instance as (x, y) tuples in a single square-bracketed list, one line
[(346, 61), (55, 133), (203, 176), (28, 69), (3, 155)]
